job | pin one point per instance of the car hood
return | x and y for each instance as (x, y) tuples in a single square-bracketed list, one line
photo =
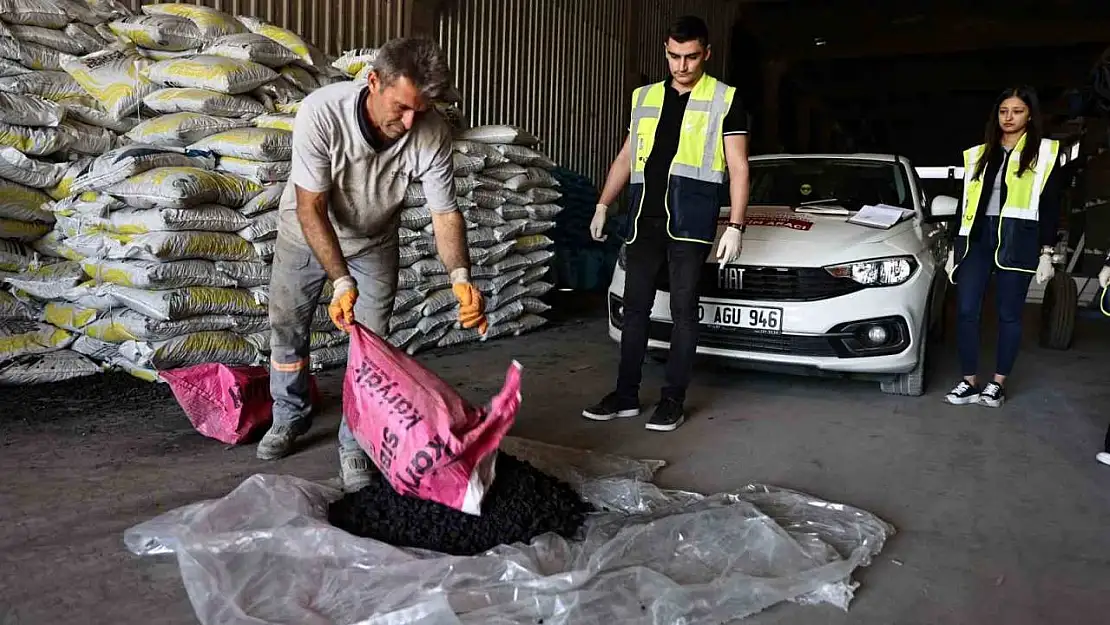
[(781, 237)]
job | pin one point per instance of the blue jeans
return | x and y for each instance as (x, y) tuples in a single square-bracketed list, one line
[(1012, 287), (295, 287)]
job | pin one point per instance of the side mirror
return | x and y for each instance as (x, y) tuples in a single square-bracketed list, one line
[(943, 207)]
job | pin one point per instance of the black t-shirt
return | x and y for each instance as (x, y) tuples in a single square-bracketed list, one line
[(658, 165)]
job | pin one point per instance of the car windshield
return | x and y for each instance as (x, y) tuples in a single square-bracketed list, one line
[(819, 181)]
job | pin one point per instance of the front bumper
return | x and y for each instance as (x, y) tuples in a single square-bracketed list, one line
[(825, 335)]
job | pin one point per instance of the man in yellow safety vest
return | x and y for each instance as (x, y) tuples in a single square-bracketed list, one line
[(687, 141)]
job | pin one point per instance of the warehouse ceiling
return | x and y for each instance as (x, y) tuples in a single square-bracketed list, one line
[(919, 77)]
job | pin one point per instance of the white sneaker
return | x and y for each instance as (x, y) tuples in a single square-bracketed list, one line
[(962, 394), (993, 395)]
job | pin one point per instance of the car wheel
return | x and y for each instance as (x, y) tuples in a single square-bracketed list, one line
[(1058, 310), (912, 384)]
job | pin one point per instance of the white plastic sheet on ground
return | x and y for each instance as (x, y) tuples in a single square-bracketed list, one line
[(266, 554)]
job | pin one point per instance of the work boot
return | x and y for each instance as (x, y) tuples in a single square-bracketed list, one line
[(278, 441), (355, 469)]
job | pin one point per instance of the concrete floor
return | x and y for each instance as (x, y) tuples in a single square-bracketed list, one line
[(1001, 514)]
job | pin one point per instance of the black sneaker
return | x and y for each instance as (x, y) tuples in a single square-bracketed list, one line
[(613, 407), (667, 417), (962, 394), (993, 395)]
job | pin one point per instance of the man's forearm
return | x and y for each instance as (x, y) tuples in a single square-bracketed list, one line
[(450, 231), (620, 172), (312, 213), (738, 189)]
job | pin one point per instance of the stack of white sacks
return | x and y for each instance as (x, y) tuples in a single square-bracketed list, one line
[(49, 130), (142, 159), (169, 237), (508, 197)]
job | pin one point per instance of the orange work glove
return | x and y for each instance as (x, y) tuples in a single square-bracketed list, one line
[(472, 308), (342, 307)]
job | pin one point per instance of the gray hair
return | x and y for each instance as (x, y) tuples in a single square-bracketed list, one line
[(421, 61)]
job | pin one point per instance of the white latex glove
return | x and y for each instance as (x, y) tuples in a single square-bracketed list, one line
[(950, 266), (728, 250), (1044, 269), (1104, 276), (597, 224)]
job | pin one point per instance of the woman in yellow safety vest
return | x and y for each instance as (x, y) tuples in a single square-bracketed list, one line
[(1009, 215)]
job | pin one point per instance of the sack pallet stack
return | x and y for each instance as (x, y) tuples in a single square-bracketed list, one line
[(170, 236), (49, 130), (582, 264), (507, 196)]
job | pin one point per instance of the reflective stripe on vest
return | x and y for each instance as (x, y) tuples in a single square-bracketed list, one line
[(700, 154), (1023, 195)]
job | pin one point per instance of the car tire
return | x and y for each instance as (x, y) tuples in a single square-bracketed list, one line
[(912, 384), (1058, 310)]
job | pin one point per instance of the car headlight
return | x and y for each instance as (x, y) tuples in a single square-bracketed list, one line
[(878, 272), (621, 257)]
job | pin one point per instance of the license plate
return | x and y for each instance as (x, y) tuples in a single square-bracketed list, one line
[(745, 317)]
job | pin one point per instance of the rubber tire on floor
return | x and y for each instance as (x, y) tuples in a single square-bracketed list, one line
[(912, 384), (1061, 301)]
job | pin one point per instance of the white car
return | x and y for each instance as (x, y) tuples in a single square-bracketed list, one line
[(814, 292)]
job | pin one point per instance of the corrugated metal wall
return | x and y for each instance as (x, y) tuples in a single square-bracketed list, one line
[(656, 15), (331, 25), (554, 67)]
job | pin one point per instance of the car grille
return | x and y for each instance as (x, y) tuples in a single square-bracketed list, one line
[(776, 284), (752, 341)]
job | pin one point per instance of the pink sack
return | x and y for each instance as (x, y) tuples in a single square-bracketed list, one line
[(427, 440), (229, 404)]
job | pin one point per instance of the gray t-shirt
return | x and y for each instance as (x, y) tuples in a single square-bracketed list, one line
[(333, 151)]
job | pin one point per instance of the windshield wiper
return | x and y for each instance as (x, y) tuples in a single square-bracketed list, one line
[(819, 207)]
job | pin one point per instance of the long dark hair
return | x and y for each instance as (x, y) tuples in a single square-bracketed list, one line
[(1034, 130)]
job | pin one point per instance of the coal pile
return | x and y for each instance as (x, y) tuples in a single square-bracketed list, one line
[(522, 504)]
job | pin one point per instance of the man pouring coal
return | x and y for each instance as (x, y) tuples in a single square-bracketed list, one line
[(356, 147)]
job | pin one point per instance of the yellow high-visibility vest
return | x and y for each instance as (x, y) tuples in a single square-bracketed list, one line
[(1023, 199), (698, 168)]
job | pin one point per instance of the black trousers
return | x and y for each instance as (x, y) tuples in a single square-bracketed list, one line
[(651, 252)]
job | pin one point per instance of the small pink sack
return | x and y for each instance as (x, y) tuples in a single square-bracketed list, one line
[(229, 404), (426, 439)]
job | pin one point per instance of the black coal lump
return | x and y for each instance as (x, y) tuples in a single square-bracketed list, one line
[(521, 504)]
